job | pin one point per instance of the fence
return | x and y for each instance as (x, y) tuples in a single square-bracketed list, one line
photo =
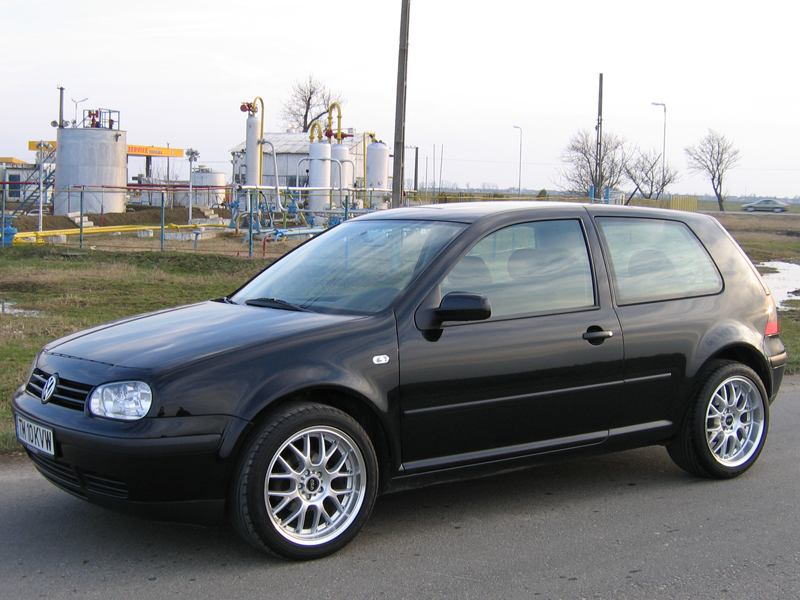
[(84, 203), (674, 202)]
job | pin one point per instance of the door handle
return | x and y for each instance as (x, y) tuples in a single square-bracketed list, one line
[(596, 336)]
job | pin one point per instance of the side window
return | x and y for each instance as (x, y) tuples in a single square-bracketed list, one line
[(526, 268), (654, 259)]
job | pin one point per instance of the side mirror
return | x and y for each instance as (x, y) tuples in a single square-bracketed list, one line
[(463, 306)]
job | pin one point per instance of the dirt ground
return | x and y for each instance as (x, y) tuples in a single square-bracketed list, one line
[(140, 216)]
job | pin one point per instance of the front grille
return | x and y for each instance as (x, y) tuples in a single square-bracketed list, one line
[(78, 481), (60, 474), (102, 484), (69, 394)]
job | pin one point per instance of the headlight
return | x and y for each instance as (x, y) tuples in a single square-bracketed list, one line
[(125, 400)]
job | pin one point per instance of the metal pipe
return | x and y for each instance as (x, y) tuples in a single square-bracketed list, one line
[(260, 133), (334, 160), (275, 166), (330, 122), (109, 229), (315, 126)]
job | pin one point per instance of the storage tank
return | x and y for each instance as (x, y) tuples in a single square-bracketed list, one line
[(319, 175), (378, 174), (252, 150), (208, 188), (341, 153), (91, 157)]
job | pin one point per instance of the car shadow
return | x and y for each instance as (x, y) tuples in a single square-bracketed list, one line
[(57, 525)]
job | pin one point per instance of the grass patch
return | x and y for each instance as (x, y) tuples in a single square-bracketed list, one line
[(80, 290)]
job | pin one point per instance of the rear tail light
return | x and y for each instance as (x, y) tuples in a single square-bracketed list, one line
[(772, 318)]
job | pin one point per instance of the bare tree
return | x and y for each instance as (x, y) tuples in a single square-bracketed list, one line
[(649, 174), (309, 100), (580, 172), (713, 156)]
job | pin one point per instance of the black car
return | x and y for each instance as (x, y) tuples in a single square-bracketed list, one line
[(408, 347)]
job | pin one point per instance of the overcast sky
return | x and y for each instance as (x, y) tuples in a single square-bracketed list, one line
[(177, 70)]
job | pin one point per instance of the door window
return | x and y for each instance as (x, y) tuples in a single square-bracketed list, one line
[(528, 268)]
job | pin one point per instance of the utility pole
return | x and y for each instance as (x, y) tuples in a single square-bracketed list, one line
[(400, 111), (598, 160)]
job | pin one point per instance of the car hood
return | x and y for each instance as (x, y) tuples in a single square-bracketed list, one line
[(187, 333)]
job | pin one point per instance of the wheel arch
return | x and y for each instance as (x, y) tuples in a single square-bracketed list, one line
[(746, 355), (349, 402)]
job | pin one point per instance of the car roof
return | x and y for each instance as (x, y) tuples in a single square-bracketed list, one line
[(470, 212)]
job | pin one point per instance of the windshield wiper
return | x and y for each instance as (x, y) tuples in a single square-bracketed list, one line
[(275, 303)]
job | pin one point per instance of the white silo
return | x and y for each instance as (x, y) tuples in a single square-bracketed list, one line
[(378, 174), (319, 174), (341, 153), (97, 159), (252, 150)]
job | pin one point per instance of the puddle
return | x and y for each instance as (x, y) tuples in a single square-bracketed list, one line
[(784, 283), (9, 308)]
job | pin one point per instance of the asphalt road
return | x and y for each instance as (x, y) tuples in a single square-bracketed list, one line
[(628, 525)]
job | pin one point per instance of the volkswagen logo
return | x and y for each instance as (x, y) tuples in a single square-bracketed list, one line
[(49, 388)]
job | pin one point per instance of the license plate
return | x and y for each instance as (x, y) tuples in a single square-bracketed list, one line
[(35, 436)]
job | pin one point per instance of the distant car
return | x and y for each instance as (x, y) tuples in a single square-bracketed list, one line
[(415, 346), (768, 205)]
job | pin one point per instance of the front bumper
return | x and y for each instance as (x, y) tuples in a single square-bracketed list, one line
[(168, 468)]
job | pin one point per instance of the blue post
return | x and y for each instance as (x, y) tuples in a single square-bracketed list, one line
[(3, 217), (163, 208), (80, 240), (250, 225)]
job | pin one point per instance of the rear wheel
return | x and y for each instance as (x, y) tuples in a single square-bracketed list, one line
[(726, 426), (306, 483)]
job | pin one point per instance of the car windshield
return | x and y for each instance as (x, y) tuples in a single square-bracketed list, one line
[(359, 267)]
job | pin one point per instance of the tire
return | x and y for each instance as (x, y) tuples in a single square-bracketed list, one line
[(726, 425), (306, 483)]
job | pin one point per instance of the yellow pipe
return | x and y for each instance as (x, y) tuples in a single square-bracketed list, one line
[(260, 136), (110, 229), (315, 127), (330, 121)]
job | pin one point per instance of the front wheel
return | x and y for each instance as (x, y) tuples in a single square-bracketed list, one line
[(726, 426), (306, 483)]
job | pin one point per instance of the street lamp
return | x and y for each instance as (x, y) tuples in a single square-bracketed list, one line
[(192, 155), (75, 120), (519, 194), (663, 149)]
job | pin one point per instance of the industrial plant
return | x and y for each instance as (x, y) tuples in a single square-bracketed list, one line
[(281, 184)]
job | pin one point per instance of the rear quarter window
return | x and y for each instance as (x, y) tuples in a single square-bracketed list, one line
[(656, 259)]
